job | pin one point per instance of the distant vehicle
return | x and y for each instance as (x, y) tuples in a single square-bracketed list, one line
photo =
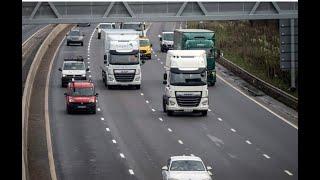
[(84, 24), (145, 48), (199, 39), (73, 68), (186, 168), (102, 26), (75, 36), (122, 58), (81, 96), (186, 82), (138, 26), (166, 41)]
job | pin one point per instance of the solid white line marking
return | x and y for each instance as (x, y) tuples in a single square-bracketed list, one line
[(141, 94), (99, 109), (153, 110), (280, 117), (266, 156), (114, 141), (102, 119), (170, 130), (233, 130), (160, 119), (248, 142), (131, 172), (122, 156), (219, 119), (180, 141), (107, 129), (147, 101), (288, 172)]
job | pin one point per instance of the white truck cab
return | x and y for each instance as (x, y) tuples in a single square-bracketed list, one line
[(186, 82), (122, 59), (166, 41), (103, 26)]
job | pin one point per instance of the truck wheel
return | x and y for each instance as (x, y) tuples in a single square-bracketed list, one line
[(169, 112), (164, 104), (81, 43), (109, 86), (99, 35), (204, 113), (137, 86), (68, 44), (69, 110), (94, 111), (161, 49)]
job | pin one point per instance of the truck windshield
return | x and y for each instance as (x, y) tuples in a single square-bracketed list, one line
[(105, 26), (168, 36), (82, 91), (120, 59), (144, 42), (184, 79), (73, 66), (132, 26)]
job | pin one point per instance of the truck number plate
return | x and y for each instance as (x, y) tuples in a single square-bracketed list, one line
[(188, 110)]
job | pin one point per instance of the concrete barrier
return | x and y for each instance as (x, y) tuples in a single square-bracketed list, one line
[(267, 88), (28, 91)]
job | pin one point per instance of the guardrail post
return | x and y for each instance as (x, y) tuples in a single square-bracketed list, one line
[(293, 68)]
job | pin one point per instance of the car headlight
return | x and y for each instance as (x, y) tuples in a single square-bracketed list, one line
[(71, 100), (91, 100), (138, 71)]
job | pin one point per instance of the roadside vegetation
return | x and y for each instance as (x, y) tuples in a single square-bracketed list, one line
[(254, 46)]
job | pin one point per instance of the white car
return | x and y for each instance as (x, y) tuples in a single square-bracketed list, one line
[(186, 168), (102, 26)]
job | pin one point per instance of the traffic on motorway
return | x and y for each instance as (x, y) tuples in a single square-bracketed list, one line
[(122, 77)]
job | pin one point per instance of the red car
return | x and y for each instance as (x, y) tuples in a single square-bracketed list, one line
[(81, 96)]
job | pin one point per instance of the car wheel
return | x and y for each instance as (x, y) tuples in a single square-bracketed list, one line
[(69, 110), (164, 104), (169, 112), (99, 35), (204, 113), (68, 44)]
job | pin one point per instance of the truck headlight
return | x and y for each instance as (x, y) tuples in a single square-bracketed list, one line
[(63, 75), (71, 100), (172, 102), (205, 102), (110, 71), (83, 75), (137, 78), (138, 71), (91, 100), (110, 78)]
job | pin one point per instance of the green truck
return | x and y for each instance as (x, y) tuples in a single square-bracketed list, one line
[(193, 39)]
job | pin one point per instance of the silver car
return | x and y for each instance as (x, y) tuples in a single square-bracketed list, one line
[(186, 168), (75, 37)]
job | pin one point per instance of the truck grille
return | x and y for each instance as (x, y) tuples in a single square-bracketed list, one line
[(124, 77), (143, 51), (188, 99)]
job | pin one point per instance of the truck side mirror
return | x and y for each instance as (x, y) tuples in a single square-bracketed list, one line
[(164, 82), (105, 62), (160, 38), (60, 69), (150, 45), (96, 27), (105, 57), (165, 76), (143, 61), (97, 94)]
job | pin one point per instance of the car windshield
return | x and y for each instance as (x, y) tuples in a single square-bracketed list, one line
[(187, 165), (74, 33), (144, 42), (184, 79), (73, 66), (168, 36), (88, 91), (124, 59), (105, 26), (132, 26)]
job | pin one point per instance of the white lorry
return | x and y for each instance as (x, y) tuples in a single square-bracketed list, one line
[(121, 58), (186, 82)]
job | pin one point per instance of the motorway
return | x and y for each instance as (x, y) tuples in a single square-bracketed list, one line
[(131, 138), (29, 30)]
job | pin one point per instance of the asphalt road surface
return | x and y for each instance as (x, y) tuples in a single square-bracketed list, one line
[(29, 30), (131, 138)]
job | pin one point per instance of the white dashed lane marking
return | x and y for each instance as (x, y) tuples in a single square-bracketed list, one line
[(161, 62), (102, 119), (248, 142), (219, 119), (180, 141), (147, 101), (141, 94), (209, 110), (131, 172), (99, 109), (233, 130), (114, 141), (107, 129), (170, 130), (153, 110), (90, 76), (266, 156), (121, 155), (160, 119), (288, 172)]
